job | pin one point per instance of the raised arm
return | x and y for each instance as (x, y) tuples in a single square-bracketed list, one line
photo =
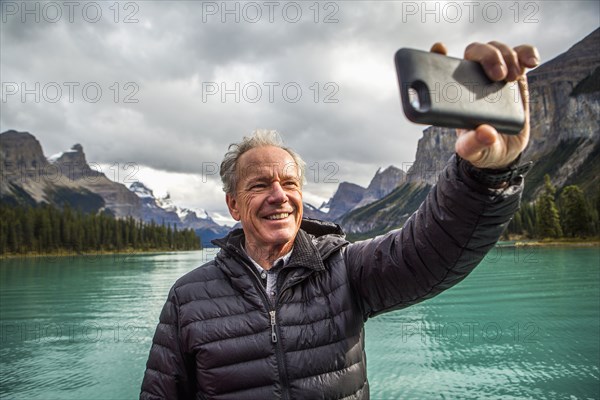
[(461, 218)]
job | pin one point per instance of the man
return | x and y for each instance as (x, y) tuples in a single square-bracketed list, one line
[(279, 313)]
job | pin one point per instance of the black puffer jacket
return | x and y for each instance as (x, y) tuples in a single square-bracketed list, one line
[(219, 337)]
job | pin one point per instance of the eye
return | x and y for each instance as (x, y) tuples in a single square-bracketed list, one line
[(257, 186)]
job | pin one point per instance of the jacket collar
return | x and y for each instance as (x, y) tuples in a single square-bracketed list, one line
[(316, 240)]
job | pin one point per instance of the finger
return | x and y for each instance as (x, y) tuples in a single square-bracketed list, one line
[(511, 60), (524, 90), (528, 55), (439, 48), (490, 59), (460, 132), (474, 145)]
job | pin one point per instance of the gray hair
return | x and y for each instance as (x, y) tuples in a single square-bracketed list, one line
[(259, 138)]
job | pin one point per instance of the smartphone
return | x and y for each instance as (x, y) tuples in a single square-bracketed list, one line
[(451, 92)]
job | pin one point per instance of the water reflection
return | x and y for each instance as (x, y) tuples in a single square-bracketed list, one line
[(80, 327), (511, 330)]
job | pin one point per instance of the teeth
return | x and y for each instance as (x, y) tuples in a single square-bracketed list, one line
[(278, 216)]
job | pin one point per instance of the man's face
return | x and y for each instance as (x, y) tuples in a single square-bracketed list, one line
[(268, 199)]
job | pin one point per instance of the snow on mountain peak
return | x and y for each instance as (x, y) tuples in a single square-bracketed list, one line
[(166, 203), (53, 158), (141, 190), (200, 213), (182, 212)]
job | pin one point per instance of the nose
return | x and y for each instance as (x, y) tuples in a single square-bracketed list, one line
[(277, 194)]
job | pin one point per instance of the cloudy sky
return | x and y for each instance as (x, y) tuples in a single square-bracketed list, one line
[(161, 88)]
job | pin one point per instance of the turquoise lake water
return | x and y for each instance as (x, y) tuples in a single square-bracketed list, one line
[(525, 324)]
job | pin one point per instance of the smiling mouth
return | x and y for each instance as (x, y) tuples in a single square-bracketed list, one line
[(276, 217)]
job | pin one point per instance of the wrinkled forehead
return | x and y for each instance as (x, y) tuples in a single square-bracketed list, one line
[(268, 170), (266, 163)]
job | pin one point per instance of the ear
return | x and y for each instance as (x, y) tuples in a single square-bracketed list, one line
[(232, 205)]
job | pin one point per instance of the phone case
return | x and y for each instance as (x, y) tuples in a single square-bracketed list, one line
[(450, 92)]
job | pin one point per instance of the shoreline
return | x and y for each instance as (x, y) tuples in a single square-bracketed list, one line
[(550, 243), (129, 253), (64, 254)]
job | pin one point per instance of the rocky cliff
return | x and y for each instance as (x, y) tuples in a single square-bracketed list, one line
[(382, 184), (23, 166), (565, 108), (73, 164), (385, 214), (151, 210), (433, 151), (28, 177), (345, 198), (565, 114), (350, 196), (558, 112), (66, 178), (565, 140)]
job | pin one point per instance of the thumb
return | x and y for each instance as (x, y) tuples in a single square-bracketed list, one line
[(475, 145)]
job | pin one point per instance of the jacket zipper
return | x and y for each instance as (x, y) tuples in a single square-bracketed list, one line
[(282, 370), (274, 333), (273, 326), (278, 346)]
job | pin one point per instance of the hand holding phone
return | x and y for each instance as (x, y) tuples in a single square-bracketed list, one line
[(450, 92)]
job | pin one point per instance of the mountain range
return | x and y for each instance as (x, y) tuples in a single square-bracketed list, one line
[(30, 178), (565, 143)]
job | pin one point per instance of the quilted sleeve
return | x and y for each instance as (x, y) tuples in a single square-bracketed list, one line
[(439, 245), (166, 375)]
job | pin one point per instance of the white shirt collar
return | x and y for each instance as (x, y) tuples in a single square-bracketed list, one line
[(285, 258)]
